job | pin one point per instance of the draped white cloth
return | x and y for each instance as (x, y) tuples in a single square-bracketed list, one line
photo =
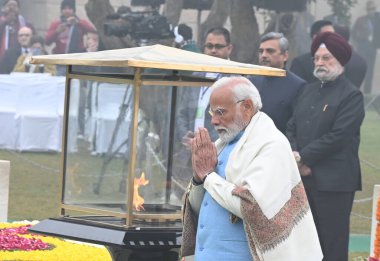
[(274, 208), (30, 111)]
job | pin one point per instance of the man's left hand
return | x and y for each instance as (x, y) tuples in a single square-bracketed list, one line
[(304, 170), (204, 155)]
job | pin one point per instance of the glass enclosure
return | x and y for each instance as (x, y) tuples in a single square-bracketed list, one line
[(97, 179)]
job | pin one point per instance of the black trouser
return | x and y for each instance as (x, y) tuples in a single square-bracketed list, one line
[(331, 213)]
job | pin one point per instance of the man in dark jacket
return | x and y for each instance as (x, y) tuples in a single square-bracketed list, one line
[(279, 94), (303, 65), (193, 109), (324, 135), (194, 103), (11, 55), (356, 68), (366, 36)]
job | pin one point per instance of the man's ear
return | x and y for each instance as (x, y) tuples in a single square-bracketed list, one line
[(248, 106), (230, 48), (286, 56)]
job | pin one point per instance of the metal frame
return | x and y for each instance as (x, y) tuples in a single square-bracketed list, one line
[(116, 229), (138, 80)]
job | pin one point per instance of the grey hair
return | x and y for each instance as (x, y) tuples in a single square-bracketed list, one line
[(283, 42), (242, 89)]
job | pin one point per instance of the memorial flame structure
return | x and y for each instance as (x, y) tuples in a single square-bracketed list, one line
[(128, 195)]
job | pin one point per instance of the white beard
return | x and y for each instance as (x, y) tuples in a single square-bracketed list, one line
[(229, 133), (325, 75)]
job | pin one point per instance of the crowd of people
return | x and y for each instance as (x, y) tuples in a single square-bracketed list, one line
[(320, 116), (70, 34), (19, 39), (317, 108), (273, 161)]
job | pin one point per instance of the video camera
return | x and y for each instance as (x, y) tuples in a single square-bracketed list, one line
[(139, 25)]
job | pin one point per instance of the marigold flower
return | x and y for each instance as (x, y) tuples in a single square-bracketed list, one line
[(16, 243)]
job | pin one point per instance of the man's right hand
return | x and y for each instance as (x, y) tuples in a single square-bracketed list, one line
[(186, 140), (204, 155)]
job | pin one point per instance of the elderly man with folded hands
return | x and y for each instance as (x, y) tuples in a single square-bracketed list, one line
[(246, 200)]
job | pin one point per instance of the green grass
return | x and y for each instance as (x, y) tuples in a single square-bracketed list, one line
[(370, 163), (360, 256), (35, 181), (34, 185)]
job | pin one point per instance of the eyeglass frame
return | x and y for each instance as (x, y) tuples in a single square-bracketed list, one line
[(324, 58), (218, 113)]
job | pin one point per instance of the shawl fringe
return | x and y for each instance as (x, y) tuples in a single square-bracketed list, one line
[(265, 234), (189, 220)]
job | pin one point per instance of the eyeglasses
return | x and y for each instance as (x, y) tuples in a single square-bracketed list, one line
[(211, 46), (219, 113), (324, 58), (24, 35), (268, 50)]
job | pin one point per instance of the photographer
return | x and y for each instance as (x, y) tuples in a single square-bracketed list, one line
[(67, 32), (37, 47), (10, 23), (184, 38)]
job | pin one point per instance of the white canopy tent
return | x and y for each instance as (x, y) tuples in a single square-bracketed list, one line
[(157, 57), (161, 57)]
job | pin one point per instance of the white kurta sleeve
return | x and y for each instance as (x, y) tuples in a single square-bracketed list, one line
[(221, 191), (195, 197)]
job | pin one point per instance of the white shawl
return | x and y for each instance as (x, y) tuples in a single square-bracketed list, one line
[(263, 159), (263, 163)]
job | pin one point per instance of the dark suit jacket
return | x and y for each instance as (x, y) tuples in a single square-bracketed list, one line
[(325, 130), (9, 60), (354, 70), (279, 96), (361, 30)]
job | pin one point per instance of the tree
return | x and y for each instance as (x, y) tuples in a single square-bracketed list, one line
[(243, 21), (286, 17), (244, 27), (97, 11), (341, 8)]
